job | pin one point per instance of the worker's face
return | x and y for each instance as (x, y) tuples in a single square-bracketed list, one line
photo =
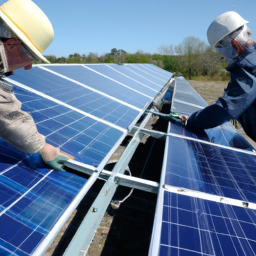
[(232, 45), (17, 56)]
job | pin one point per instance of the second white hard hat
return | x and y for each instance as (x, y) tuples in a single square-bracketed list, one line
[(29, 23), (223, 25)]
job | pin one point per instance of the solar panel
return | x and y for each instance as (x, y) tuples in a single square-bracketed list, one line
[(193, 226), (211, 169), (103, 84), (150, 75), (195, 214), (118, 76), (85, 114), (138, 76)]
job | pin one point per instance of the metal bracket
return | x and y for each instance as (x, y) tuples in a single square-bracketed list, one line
[(152, 133)]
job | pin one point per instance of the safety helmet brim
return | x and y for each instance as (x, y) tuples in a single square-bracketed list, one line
[(223, 25), (14, 27)]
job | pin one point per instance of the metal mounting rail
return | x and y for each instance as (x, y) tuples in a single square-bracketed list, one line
[(84, 235), (120, 179)]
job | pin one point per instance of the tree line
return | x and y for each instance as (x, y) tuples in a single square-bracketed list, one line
[(192, 57)]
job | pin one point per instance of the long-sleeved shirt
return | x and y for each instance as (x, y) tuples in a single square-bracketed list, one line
[(238, 101)]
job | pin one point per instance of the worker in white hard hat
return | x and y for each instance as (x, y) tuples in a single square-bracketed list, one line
[(230, 35), (25, 32)]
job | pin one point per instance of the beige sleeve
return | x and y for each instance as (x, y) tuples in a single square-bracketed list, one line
[(16, 126)]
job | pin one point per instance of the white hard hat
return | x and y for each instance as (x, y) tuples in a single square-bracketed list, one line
[(223, 25), (29, 23)]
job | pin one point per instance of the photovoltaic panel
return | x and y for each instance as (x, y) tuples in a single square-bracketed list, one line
[(211, 169), (154, 67), (188, 224), (192, 226), (101, 83), (106, 70), (153, 77), (148, 68), (81, 120), (138, 76), (77, 96), (31, 203), (33, 200), (82, 137)]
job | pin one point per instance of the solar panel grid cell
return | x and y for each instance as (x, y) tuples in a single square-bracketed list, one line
[(211, 169), (193, 226)]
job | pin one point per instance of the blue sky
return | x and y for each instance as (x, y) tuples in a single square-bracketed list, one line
[(99, 25)]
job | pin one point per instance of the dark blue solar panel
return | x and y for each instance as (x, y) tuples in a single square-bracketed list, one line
[(26, 219), (105, 70), (210, 169), (146, 73), (137, 76), (96, 81), (192, 226), (75, 96), (84, 138)]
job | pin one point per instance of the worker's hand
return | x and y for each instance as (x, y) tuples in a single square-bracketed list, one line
[(183, 120), (53, 157), (58, 162)]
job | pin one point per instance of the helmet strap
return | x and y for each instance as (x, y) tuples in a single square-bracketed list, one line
[(240, 48)]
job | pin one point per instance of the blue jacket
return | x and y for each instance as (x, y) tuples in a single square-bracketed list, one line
[(238, 101)]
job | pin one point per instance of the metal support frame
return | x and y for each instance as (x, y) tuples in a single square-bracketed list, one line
[(84, 235), (120, 179), (152, 133)]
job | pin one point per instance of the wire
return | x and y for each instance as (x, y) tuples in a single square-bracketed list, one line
[(116, 203)]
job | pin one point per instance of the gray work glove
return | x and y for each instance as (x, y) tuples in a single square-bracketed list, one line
[(53, 157)]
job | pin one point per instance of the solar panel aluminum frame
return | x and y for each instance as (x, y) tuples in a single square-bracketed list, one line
[(156, 232)]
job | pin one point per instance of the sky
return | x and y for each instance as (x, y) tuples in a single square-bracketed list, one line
[(83, 26)]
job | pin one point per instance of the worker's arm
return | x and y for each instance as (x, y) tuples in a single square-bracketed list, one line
[(208, 117)]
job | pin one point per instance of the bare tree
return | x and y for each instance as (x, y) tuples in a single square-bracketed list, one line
[(189, 53), (166, 49)]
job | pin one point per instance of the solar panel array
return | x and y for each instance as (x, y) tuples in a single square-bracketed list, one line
[(194, 223), (84, 110)]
